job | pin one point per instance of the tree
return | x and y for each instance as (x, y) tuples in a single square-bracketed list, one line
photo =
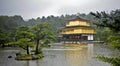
[(11, 22), (42, 34), (24, 38), (11, 35), (112, 21), (3, 38)]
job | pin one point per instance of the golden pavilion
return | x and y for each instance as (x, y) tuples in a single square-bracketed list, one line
[(77, 30)]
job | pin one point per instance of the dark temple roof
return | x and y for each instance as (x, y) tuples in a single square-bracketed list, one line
[(77, 18)]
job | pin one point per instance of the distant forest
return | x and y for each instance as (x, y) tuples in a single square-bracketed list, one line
[(8, 23)]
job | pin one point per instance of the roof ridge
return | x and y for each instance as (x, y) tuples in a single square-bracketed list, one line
[(77, 18)]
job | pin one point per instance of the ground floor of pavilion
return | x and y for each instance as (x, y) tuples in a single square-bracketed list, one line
[(76, 38)]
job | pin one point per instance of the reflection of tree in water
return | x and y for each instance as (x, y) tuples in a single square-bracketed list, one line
[(78, 57)]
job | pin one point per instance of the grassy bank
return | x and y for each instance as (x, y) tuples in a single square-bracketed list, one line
[(29, 57)]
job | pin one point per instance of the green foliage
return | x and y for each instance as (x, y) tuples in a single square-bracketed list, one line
[(12, 35), (42, 34), (29, 57), (111, 21), (112, 61), (24, 38), (10, 22), (3, 38), (24, 42), (24, 32), (103, 34), (114, 40)]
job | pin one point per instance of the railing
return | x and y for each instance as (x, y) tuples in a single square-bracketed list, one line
[(77, 41), (72, 40), (78, 32)]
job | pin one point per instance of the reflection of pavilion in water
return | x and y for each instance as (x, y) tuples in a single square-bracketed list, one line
[(66, 55), (79, 57)]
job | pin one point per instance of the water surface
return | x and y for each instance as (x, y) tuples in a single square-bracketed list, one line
[(62, 55)]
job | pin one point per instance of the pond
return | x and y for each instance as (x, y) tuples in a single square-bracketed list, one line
[(62, 55)]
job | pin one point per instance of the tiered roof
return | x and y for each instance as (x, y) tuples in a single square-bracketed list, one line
[(77, 18)]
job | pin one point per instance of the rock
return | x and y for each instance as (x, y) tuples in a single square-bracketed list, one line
[(9, 56), (17, 54)]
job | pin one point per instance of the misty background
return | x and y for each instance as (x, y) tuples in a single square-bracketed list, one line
[(38, 8)]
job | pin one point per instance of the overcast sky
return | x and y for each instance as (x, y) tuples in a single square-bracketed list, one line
[(38, 8)]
